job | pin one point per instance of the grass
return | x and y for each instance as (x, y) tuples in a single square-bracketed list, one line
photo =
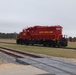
[(57, 52), (72, 44), (8, 40)]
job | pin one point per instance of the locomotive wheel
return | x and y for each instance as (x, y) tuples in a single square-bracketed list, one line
[(44, 43), (59, 46), (22, 42), (27, 42), (32, 42), (53, 44), (17, 41)]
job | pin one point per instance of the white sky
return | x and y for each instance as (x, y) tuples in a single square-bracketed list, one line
[(18, 14)]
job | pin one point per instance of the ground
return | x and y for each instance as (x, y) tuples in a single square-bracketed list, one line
[(18, 69)]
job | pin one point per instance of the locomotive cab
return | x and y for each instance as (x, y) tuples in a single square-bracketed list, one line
[(21, 37)]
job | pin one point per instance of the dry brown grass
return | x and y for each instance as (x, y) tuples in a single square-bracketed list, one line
[(8, 40), (72, 44)]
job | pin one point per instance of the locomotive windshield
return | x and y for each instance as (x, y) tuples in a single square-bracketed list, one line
[(24, 30)]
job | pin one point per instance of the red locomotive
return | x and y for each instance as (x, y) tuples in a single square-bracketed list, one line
[(45, 35)]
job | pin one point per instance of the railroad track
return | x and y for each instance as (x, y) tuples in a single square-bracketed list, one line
[(17, 53), (54, 66), (41, 46)]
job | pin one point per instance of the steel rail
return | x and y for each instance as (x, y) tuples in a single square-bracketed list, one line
[(20, 54)]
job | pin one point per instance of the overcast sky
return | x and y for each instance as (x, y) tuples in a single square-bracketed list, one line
[(18, 14)]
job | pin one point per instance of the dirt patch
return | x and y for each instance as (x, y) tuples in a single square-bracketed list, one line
[(71, 59), (9, 66), (2, 62), (18, 69)]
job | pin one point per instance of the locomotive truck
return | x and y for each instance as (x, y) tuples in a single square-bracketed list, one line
[(44, 35)]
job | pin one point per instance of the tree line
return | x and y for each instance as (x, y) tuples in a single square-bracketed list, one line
[(8, 35), (72, 39)]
